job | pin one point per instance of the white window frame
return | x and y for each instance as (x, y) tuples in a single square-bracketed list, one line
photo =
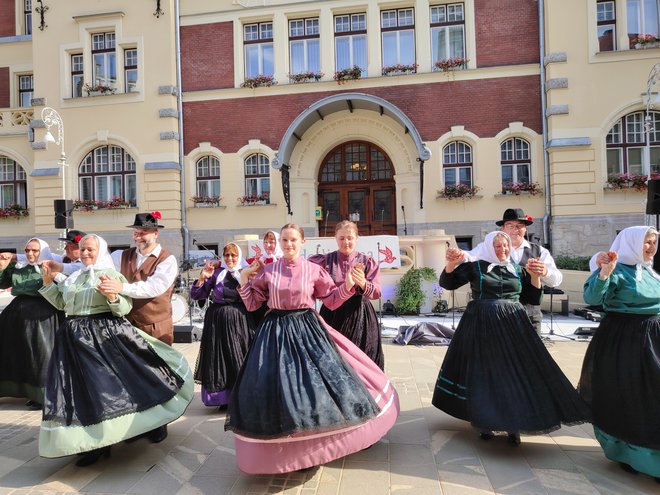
[(351, 28), (396, 24), (107, 172), (258, 41), (515, 154), (457, 160), (305, 33), (207, 170), (257, 175), (445, 19)]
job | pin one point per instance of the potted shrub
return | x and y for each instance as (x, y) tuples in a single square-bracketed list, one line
[(259, 81), (458, 191), (98, 89), (409, 294), (202, 201), (341, 76), (517, 188), (303, 77), (14, 211), (448, 64), (399, 69)]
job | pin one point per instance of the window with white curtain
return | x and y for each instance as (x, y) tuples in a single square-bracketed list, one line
[(106, 173), (13, 183), (104, 60), (257, 176), (515, 160), (626, 143), (398, 37), (457, 164), (447, 31), (258, 45), (304, 46), (208, 177), (351, 42), (643, 18)]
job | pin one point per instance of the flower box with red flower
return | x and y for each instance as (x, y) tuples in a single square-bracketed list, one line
[(14, 211)]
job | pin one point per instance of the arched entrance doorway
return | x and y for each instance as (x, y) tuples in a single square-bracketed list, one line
[(356, 183)]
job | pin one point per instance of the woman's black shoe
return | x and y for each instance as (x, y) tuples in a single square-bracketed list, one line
[(158, 435), (628, 468), (486, 435), (92, 456), (513, 439), (33, 405)]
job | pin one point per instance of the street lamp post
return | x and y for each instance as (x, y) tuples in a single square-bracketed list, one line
[(654, 78), (52, 118), (62, 207)]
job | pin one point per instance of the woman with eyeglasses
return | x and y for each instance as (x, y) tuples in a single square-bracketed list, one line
[(27, 326), (228, 328), (497, 373)]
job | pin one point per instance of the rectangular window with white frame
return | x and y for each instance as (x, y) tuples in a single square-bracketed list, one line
[(447, 32), (351, 42), (25, 90), (27, 16), (258, 46), (304, 48), (398, 39), (131, 70), (257, 177), (77, 75), (104, 61), (643, 21), (606, 25)]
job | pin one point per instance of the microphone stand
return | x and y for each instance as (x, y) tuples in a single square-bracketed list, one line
[(405, 225)]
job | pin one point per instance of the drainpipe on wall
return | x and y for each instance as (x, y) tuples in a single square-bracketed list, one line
[(547, 217), (179, 109)]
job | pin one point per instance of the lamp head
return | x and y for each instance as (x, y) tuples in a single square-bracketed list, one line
[(49, 137)]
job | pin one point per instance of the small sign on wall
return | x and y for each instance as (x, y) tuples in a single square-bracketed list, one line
[(318, 213)]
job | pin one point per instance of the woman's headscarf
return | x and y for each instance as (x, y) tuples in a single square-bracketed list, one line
[(488, 254), (240, 263), (266, 257), (629, 246), (44, 254), (103, 261)]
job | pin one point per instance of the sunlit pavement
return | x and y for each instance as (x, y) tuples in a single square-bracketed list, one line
[(427, 452)]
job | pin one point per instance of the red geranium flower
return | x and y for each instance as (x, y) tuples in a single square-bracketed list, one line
[(156, 215), (77, 238)]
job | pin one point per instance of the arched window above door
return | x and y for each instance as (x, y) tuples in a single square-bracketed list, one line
[(355, 162)]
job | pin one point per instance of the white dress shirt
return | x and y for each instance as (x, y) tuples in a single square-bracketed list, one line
[(552, 279), (155, 285)]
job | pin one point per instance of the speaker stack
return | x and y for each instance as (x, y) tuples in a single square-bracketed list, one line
[(63, 213), (653, 208)]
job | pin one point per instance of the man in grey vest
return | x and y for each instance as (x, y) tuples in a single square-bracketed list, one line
[(514, 223)]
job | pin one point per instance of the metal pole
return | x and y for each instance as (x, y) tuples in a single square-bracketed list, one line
[(654, 77)]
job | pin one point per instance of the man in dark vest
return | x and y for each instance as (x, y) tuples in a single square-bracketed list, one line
[(151, 272), (515, 222)]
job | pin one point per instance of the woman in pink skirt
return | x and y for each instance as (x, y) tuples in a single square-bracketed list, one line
[(305, 395)]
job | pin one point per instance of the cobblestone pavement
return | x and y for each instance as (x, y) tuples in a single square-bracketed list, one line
[(427, 452)]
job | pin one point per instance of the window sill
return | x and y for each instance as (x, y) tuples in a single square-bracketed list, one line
[(624, 189), (99, 210), (521, 193)]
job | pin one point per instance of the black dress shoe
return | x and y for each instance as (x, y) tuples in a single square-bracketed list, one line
[(486, 435), (513, 439), (92, 456), (157, 435), (628, 468), (34, 405)]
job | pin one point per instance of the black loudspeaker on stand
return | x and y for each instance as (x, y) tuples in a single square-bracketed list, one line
[(63, 213)]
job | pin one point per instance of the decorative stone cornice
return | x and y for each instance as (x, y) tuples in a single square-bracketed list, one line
[(168, 112), (38, 102), (554, 57), (556, 110), (169, 135), (556, 83), (167, 90), (38, 145)]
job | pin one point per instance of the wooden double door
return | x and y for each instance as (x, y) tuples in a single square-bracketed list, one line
[(356, 183)]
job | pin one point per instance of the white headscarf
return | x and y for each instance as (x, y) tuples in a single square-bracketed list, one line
[(44, 254), (240, 263), (103, 261), (629, 246), (278, 249), (488, 254)]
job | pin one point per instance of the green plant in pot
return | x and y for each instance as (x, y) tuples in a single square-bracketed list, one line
[(409, 294)]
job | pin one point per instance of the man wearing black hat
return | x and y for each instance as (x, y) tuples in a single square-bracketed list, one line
[(71, 246), (537, 258), (151, 272)]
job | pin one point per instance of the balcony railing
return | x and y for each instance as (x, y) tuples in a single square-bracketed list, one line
[(15, 120)]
